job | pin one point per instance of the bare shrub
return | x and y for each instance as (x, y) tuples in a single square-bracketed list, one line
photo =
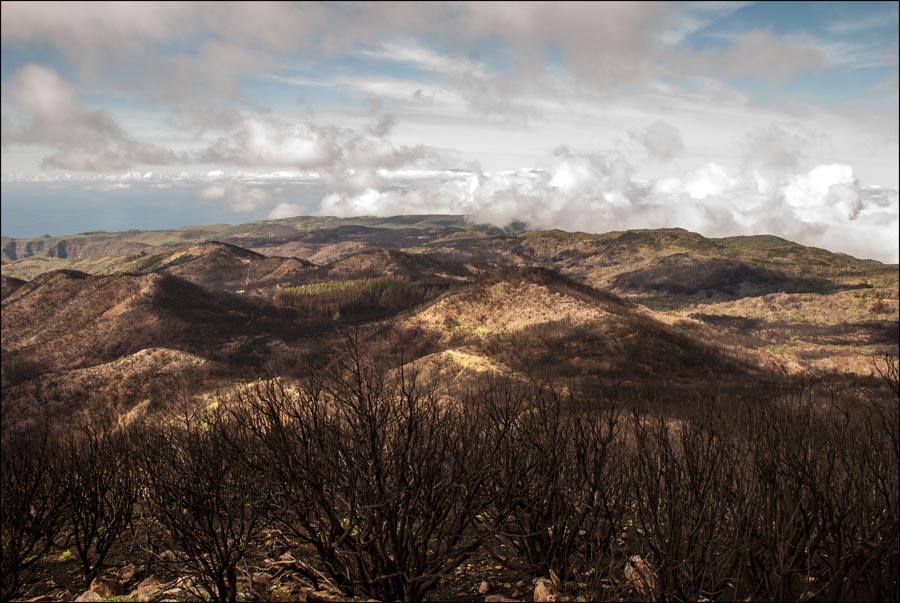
[(101, 488), (788, 497), (31, 503), (687, 487), (560, 493), (204, 495), (372, 469)]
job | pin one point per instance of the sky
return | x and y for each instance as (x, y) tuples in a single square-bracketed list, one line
[(724, 118)]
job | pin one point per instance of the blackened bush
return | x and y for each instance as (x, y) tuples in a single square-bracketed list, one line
[(31, 503), (559, 489), (204, 494), (383, 477), (789, 497), (101, 487), (686, 484)]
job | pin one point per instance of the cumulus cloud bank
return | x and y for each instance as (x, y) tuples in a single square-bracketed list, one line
[(597, 192), (469, 76)]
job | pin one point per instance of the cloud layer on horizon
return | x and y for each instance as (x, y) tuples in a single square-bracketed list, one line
[(595, 192), (824, 206), (724, 118)]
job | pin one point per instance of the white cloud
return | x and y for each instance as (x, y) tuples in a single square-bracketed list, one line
[(596, 192), (50, 114), (697, 16), (826, 193), (757, 53), (240, 198), (286, 210), (111, 187), (468, 82), (708, 180), (661, 141), (777, 150), (857, 53), (605, 44), (383, 125), (191, 59), (212, 192), (858, 23), (79, 27), (501, 83), (262, 142), (345, 158)]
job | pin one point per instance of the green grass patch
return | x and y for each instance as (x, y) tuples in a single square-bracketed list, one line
[(348, 288), (66, 556), (337, 299)]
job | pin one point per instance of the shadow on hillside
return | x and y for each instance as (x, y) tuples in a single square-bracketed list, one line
[(681, 279), (680, 298), (765, 332)]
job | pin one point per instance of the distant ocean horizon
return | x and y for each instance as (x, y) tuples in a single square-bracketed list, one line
[(33, 209)]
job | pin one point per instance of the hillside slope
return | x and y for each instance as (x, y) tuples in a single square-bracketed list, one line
[(538, 321), (806, 307), (65, 320), (225, 267)]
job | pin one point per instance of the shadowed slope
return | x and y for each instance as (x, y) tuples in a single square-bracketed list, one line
[(69, 319), (537, 320), (225, 267)]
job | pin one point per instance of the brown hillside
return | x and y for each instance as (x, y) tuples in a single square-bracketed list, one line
[(535, 319), (682, 274), (676, 274), (373, 263), (225, 267), (8, 285), (143, 379), (64, 320)]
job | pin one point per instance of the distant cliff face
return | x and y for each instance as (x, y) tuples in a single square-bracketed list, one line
[(69, 247), (49, 247), (8, 249)]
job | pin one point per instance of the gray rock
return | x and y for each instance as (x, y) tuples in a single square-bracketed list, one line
[(127, 572), (147, 590), (107, 587)]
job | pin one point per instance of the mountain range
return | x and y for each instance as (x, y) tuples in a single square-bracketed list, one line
[(128, 319)]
